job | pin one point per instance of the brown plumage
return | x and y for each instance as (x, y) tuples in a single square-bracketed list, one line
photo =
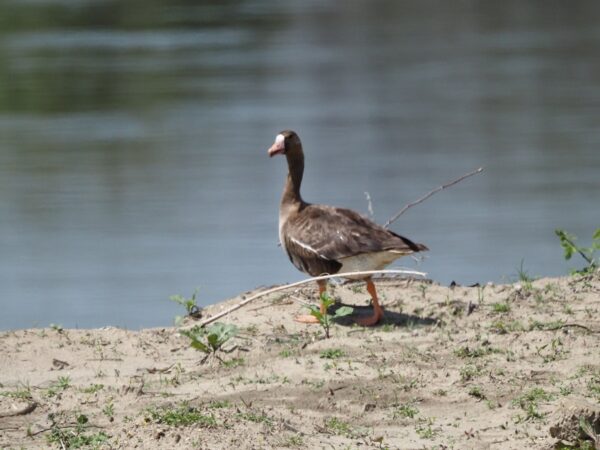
[(323, 239)]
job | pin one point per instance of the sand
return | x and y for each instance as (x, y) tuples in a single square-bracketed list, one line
[(493, 367)]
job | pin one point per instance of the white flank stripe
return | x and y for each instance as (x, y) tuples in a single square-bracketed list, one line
[(307, 247)]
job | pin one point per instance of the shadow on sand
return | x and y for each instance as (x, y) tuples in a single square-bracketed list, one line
[(391, 317)]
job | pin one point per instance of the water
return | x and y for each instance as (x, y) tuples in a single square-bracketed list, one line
[(133, 142)]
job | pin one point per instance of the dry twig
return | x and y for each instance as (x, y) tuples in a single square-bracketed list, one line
[(22, 411), (429, 194), (572, 325)]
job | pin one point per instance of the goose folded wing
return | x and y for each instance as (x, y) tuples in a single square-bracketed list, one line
[(335, 233)]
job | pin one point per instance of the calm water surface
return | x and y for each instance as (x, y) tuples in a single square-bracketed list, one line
[(133, 142)]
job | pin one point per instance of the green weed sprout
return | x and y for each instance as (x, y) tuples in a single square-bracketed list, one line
[(326, 319), (567, 242), (191, 308), (69, 437), (210, 340)]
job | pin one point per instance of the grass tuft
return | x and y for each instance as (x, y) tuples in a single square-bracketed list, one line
[(332, 353), (406, 410), (501, 308), (529, 402), (181, 415)]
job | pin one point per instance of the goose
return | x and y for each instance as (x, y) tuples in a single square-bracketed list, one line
[(321, 239)]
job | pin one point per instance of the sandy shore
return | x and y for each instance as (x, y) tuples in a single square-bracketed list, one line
[(500, 367)]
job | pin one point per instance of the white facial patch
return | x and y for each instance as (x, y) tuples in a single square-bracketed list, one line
[(280, 139)]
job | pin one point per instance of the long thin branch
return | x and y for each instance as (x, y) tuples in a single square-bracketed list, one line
[(434, 191), (20, 412), (574, 325), (299, 283)]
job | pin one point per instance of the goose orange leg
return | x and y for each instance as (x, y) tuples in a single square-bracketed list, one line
[(377, 309), (309, 318)]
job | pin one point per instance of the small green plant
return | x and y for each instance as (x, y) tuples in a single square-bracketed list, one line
[(92, 388), (21, 394), (73, 438), (234, 362), (491, 404), (252, 416), (529, 403), (181, 415), (469, 372), (218, 404), (566, 389), (293, 441), (501, 327), (210, 340), (500, 308), (314, 384), (191, 308), (58, 386), (477, 392), (480, 295), (332, 353), (406, 410), (532, 412), (524, 276), (325, 320), (387, 327), (63, 382), (567, 242), (57, 327), (593, 386), (356, 288), (109, 410), (425, 429), (551, 351), (476, 352), (338, 426)]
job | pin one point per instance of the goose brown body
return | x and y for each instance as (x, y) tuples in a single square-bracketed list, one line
[(322, 239)]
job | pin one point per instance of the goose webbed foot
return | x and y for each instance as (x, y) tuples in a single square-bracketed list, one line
[(372, 320), (306, 318), (377, 309)]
